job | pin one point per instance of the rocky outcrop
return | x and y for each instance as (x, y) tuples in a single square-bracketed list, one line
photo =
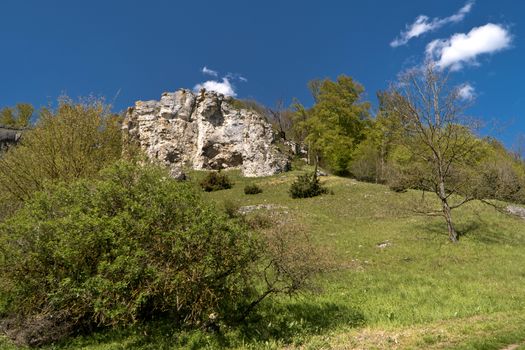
[(204, 131), (516, 211), (9, 136)]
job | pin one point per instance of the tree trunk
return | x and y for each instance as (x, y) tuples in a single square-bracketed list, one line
[(381, 174), (452, 234), (316, 165), (447, 213), (309, 154)]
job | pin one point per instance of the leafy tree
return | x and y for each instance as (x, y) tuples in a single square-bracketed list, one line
[(315, 88), (372, 157), (336, 124), (18, 117), (73, 141), (442, 150), (300, 115), (501, 176)]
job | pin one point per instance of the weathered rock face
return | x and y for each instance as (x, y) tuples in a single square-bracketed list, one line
[(204, 131), (9, 136), (515, 210)]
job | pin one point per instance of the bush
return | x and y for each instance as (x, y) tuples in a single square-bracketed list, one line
[(307, 185), (215, 181), (231, 209), (252, 189), (499, 180), (126, 247), (398, 187), (74, 141), (289, 260)]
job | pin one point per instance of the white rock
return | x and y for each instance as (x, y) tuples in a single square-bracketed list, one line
[(204, 131)]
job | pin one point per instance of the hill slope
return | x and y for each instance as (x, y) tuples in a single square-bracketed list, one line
[(399, 282)]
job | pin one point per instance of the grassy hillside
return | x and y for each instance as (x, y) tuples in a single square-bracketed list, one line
[(399, 283)]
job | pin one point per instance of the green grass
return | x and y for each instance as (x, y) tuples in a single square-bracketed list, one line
[(418, 292)]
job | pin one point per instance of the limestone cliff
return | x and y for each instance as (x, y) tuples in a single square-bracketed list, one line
[(204, 131), (9, 136)]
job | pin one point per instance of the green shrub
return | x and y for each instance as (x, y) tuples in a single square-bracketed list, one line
[(74, 141), (252, 189), (397, 187), (231, 208), (215, 181), (123, 248), (307, 185)]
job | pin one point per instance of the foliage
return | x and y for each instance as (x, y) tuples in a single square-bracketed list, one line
[(280, 117), (251, 105), (373, 156), (306, 186), (18, 117), (387, 156), (500, 176), (216, 181), (252, 189), (443, 151), (231, 208), (367, 163), (413, 292), (282, 120), (395, 289), (74, 141), (130, 246), (290, 261), (336, 124)]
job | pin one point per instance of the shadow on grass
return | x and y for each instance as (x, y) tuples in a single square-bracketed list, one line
[(475, 228), (292, 321), (284, 322)]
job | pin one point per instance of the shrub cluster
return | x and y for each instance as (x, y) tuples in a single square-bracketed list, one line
[(307, 185), (75, 140), (215, 181), (231, 209), (124, 248), (252, 189)]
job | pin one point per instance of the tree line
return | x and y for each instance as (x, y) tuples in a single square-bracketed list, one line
[(420, 138)]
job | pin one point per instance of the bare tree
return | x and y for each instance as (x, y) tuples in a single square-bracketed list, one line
[(519, 148), (282, 118), (438, 138), (277, 116)]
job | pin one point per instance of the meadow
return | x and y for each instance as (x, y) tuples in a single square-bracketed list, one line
[(396, 282)]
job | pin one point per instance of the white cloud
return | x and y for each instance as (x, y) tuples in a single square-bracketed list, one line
[(463, 48), (466, 92), (237, 76), (424, 24), (225, 87), (207, 71)]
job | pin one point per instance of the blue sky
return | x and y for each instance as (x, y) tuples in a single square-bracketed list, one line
[(267, 50)]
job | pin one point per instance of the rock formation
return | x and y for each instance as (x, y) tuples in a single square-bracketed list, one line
[(204, 131), (9, 136)]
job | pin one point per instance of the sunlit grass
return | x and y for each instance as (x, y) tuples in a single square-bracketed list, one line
[(418, 291)]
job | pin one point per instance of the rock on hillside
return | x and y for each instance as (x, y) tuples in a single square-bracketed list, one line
[(9, 136), (204, 131)]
